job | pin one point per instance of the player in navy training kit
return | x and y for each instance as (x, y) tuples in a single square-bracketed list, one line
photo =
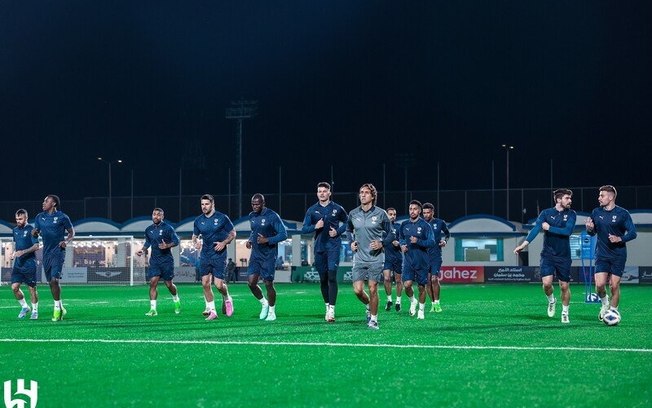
[(614, 227), (441, 236), (160, 236), (24, 270), (216, 232), (267, 230), (328, 221), (393, 264), (51, 224), (416, 237), (557, 223)]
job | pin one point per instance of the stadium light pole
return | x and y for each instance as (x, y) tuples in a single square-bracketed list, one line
[(239, 111), (109, 163), (507, 149)]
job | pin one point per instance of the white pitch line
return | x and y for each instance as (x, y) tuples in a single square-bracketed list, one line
[(322, 344)]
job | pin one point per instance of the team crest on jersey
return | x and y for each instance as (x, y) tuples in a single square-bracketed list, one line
[(374, 219), (334, 213), (418, 230), (25, 233), (160, 232), (55, 220), (565, 217), (262, 222), (215, 222), (613, 218)]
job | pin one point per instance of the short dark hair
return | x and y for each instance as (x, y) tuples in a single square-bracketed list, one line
[(22, 211), (208, 197), (158, 209), (323, 184), (428, 206), (258, 196), (560, 192), (372, 188), (56, 200), (417, 203), (390, 209), (609, 188)]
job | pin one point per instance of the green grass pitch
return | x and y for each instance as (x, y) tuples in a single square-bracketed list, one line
[(493, 346)]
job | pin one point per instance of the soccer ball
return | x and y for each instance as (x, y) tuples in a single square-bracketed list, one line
[(611, 318)]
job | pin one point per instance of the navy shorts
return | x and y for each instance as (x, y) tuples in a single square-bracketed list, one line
[(435, 267), (615, 266), (559, 268), (24, 274), (214, 266), (264, 268), (395, 265), (420, 276), (53, 264), (165, 271), (327, 261)]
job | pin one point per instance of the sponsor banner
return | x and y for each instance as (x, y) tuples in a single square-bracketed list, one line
[(462, 274), (74, 274), (645, 274), (117, 274), (630, 275), (511, 274)]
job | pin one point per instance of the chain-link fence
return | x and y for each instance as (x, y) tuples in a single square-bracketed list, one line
[(524, 203)]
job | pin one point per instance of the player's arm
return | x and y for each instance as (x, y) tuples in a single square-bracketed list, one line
[(533, 233), (630, 229), (429, 240), (175, 239), (195, 235), (27, 251), (70, 235), (222, 244), (308, 227), (146, 245), (590, 225), (445, 231), (281, 232), (342, 217), (351, 234), (568, 229), (388, 236)]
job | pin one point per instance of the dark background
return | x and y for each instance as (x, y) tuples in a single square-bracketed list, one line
[(348, 84)]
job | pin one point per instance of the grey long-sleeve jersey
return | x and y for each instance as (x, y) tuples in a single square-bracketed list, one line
[(367, 226)]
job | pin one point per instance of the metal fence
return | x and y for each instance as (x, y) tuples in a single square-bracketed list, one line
[(524, 203)]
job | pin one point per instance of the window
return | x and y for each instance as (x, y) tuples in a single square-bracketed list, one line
[(479, 249)]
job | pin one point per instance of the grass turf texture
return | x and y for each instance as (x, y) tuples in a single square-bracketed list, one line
[(492, 346)]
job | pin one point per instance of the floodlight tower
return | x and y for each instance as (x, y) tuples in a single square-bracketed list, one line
[(239, 111)]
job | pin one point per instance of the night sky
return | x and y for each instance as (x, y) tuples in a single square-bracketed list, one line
[(352, 84)]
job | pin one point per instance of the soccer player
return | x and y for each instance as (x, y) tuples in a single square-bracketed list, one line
[(393, 264), (416, 237), (24, 270), (441, 234), (51, 224), (267, 230), (327, 220), (161, 237), (614, 227), (557, 223), (216, 232), (370, 229)]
